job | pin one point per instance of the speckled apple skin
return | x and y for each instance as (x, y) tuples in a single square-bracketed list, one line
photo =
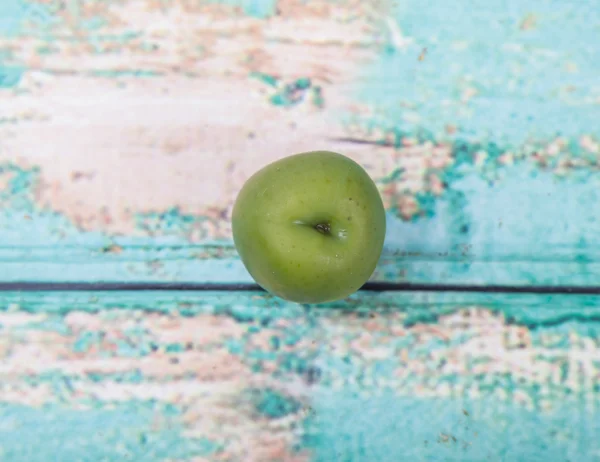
[(310, 228)]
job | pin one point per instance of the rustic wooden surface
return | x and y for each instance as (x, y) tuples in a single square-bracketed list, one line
[(216, 376), (127, 128)]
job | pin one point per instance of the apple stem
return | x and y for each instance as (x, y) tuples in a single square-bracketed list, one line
[(323, 228)]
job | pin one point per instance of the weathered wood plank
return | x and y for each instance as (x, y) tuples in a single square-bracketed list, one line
[(221, 376), (130, 126)]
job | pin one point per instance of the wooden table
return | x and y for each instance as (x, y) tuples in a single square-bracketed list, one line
[(130, 330)]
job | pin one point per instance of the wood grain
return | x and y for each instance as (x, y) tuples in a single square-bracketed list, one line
[(128, 127), (164, 376), (126, 130)]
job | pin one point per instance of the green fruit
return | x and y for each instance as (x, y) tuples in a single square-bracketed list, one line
[(309, 228)]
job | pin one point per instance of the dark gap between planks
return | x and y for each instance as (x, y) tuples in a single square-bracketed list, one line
[(247, 287)]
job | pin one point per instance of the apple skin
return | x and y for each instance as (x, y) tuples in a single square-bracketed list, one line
[(310, 227)]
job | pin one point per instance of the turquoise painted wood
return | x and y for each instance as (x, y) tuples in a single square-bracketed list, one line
[(127, 128), (213, 376)]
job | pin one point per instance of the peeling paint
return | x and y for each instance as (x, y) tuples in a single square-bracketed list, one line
[(240, 375), (485, 148)]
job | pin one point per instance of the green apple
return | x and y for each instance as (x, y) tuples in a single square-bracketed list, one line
[(310, 227)]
